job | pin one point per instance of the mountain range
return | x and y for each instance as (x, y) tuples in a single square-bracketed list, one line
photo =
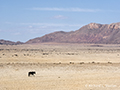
[(92, 33)]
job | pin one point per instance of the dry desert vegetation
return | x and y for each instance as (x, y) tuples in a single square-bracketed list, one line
[(60, 67)]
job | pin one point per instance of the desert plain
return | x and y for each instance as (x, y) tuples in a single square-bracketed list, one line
[(60, 67)]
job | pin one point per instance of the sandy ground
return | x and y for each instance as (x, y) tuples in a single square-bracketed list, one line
[(60, 77), (60, 67)]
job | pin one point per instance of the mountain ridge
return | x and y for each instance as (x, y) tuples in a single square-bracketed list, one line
[(7, 42), (91, 33)]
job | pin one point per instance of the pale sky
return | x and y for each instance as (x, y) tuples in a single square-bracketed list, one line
[(21, 20)]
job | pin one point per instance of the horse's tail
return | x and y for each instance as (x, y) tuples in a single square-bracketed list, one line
[(28, 74)]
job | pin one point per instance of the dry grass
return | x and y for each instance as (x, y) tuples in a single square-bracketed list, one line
[(60, 67), (49, 53)]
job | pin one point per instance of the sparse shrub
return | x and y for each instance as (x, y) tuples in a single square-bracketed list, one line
[(68, 53), (15, 55), (41, 50), (98, 62), (12, 63), (8, 63), (45, 53), (93, 62), (59, 62), (71, 62), (81, 62), (110, 62)]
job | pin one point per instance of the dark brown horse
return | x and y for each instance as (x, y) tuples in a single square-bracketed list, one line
[(31, 73)]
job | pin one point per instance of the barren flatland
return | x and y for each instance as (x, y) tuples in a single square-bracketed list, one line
[(60, 67)]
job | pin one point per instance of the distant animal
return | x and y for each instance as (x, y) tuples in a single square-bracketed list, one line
[(31, 73)]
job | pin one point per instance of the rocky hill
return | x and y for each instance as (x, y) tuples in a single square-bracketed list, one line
[(91, 33), (6, 42)]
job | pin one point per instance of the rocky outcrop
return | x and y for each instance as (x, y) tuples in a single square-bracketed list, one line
[(114, 26), (94, 26)]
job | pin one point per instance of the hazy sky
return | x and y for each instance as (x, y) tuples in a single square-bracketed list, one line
[(21, 20)]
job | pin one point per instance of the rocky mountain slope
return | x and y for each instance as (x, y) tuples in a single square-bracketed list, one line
[(91, 33)]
